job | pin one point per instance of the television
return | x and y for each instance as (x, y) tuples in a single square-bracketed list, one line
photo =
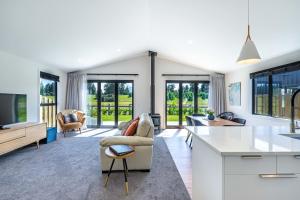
[(13, 109)]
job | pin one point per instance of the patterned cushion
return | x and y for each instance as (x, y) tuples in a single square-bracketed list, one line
[(69, 118)]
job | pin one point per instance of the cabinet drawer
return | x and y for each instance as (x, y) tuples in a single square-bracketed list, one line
[(288, 164), (38, 131), (253, 187), (11, 135), (250, 164)]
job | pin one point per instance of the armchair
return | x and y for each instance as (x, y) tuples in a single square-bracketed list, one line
[(72, 125)]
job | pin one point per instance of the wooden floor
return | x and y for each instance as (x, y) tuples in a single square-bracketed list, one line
[(181, 153)]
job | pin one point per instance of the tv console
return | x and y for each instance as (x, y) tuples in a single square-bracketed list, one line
[(19, 135)]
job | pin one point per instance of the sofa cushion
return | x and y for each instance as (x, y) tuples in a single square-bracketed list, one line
[(125, 125), (126, 140), (131, 130), (144, 126)]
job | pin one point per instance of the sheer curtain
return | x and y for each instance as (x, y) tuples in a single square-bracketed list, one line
[(216, 95), (76, 91)]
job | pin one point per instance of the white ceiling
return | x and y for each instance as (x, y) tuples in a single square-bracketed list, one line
[(78, 34)]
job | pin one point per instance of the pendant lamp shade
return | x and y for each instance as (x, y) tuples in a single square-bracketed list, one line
[(249, 53)]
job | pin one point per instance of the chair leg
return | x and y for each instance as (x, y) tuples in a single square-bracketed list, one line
[(191, 142), (80, 130)]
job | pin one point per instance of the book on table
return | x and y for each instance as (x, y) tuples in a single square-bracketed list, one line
[(121, 150)]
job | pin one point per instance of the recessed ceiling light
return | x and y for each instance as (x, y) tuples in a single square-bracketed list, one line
[(190, 42), (118, 50)]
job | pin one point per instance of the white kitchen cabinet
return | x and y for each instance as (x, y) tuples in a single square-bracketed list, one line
[(227, 166)]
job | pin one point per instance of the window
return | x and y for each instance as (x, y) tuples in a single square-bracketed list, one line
[(273, 88), (48, 98), (261, 95)]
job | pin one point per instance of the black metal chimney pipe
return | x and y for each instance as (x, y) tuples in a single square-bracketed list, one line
[(152, 85)]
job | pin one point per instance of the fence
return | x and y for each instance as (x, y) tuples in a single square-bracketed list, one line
[(48, 111)]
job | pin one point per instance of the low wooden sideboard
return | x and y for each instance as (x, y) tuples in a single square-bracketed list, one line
[(20, 135)]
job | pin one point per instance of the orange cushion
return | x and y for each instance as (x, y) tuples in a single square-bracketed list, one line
[(131, 130)]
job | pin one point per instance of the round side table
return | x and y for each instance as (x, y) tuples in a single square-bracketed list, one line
[(110, 154)]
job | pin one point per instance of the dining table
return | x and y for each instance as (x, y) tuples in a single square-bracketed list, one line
[(216, 122)]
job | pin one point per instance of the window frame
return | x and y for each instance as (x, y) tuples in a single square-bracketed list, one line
[(51, 77), (291, 67)]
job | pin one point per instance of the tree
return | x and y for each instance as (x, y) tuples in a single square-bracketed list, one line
[(92, 89)]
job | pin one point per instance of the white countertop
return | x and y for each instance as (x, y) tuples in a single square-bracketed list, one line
[(233, 140)]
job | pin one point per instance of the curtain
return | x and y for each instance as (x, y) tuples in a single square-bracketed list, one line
[(216, 95), (76, 91)]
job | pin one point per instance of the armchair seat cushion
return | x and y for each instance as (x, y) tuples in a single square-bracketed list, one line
[(72, 125), (126, 140)]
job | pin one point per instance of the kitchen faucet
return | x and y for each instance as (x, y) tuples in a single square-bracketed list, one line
[(292, 126)]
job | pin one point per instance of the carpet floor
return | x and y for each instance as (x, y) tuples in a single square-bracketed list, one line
[(69, 169)]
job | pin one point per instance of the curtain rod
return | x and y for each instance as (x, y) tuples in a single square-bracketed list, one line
[(185, 75), (104, 74)]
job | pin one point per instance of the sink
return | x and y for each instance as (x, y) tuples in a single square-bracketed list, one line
[(292, 135)]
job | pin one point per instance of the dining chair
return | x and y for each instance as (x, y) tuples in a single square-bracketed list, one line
[(189, 123), (239, 120), (226, 115), (195, 123)]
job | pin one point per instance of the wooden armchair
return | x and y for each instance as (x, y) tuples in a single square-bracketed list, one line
[(72, 125)]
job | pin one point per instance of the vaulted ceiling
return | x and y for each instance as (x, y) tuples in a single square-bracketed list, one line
[(78, 34)]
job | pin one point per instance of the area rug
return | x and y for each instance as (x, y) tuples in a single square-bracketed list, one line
[(69, 169)]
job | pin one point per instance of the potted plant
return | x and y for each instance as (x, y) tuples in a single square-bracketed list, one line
[(210, 114)]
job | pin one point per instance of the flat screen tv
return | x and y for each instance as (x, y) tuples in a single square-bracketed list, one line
[(13, 108)]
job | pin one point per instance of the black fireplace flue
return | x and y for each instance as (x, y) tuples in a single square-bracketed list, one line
[(155, 116)]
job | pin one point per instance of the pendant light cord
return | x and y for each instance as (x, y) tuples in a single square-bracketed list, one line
[(248, 34)]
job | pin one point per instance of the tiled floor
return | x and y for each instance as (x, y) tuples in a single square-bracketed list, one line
[(181, 153)]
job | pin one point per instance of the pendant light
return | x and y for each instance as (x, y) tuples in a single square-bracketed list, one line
[(249, 54)]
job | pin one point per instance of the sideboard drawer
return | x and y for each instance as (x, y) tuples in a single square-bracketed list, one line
[(288, 164), (12, 135), (250, 164)]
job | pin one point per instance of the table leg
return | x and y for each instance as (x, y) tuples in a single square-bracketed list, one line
[(111, 166), (125, 174)]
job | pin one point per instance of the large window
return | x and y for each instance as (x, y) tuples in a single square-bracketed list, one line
[(185, 98), (109, 102), (48, 98), (273, 88)]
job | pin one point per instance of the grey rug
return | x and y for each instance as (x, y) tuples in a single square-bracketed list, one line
[(70, 169)]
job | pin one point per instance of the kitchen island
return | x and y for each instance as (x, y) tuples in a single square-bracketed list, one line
[(245, 163)]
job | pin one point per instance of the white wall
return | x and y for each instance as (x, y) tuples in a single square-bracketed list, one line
[(21, 76), (243, 75), (141, 65)]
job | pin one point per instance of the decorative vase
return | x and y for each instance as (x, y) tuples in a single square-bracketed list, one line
[(210, 117)]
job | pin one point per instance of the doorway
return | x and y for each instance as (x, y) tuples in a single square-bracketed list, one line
[(184, 98), (109, 102)]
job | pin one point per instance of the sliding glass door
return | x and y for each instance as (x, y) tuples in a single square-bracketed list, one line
[(109, 102), (184, 98)]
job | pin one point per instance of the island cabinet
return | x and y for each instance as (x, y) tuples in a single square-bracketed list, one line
[(244, 175)]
